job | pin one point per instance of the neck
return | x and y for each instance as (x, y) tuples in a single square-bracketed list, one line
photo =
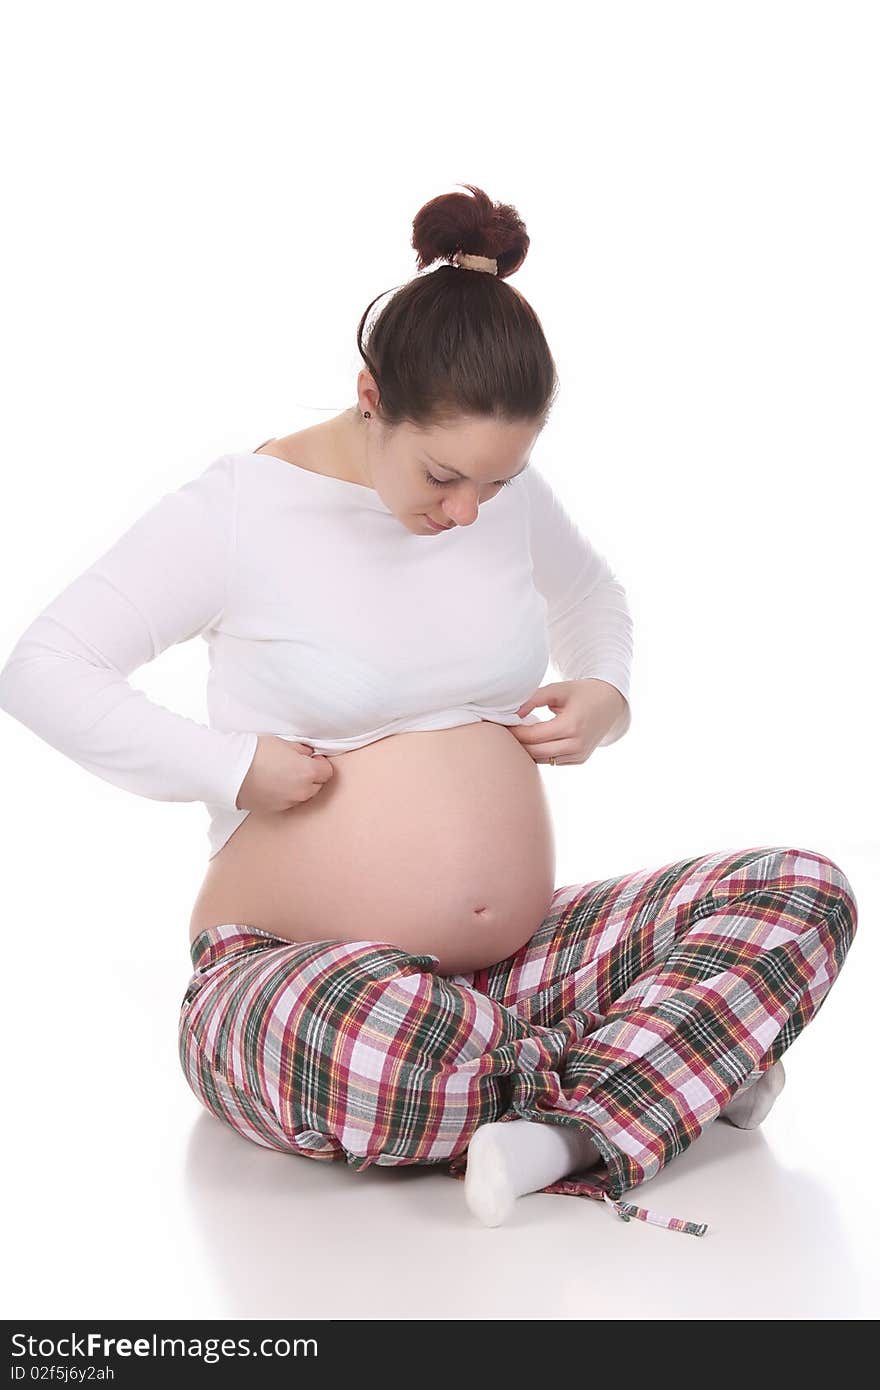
[(348, 442)]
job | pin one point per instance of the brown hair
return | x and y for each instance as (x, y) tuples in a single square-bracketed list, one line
[(457, 341)]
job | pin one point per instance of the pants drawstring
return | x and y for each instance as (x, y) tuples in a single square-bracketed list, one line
[(625, 1210)]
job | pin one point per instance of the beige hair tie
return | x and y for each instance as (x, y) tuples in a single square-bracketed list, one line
[(469, 262)]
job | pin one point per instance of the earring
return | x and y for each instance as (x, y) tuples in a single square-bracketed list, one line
[(366, 415)]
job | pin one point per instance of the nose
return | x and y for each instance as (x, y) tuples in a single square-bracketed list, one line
[(462, 507)]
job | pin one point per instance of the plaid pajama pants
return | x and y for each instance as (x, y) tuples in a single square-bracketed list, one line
[(639, 1008)]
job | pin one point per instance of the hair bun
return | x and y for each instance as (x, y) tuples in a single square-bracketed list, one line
[(455, 222)]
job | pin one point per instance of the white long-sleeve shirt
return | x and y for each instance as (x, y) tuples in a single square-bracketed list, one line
[(327, 623)]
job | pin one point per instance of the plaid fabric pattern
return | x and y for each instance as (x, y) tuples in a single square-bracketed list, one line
[(639, 1008)]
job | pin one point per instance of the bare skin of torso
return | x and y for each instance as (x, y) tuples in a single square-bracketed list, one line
[(437, 842)]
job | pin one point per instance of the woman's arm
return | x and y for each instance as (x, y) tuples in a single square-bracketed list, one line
[(164, 581), (589, 624)]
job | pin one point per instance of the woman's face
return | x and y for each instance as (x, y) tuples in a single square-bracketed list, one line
[(444, 474)]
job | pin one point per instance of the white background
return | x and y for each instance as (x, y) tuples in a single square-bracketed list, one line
[(202, 198)]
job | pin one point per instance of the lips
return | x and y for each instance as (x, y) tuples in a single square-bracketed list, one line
[(436, 524)]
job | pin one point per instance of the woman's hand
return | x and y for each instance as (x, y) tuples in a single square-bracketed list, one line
[(585, 711), (282, 774)]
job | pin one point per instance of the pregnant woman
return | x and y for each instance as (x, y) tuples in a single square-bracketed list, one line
[(383, 969)]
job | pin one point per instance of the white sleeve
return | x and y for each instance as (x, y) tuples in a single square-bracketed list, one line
[(163, 582), (589, 624)]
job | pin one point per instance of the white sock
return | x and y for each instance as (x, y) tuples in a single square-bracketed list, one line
[(506, 1160), (749, 1108)]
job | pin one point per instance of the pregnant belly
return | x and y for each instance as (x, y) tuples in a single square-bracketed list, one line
[(437, 842)]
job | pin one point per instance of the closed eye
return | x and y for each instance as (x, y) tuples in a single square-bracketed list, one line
[(444, 482)]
